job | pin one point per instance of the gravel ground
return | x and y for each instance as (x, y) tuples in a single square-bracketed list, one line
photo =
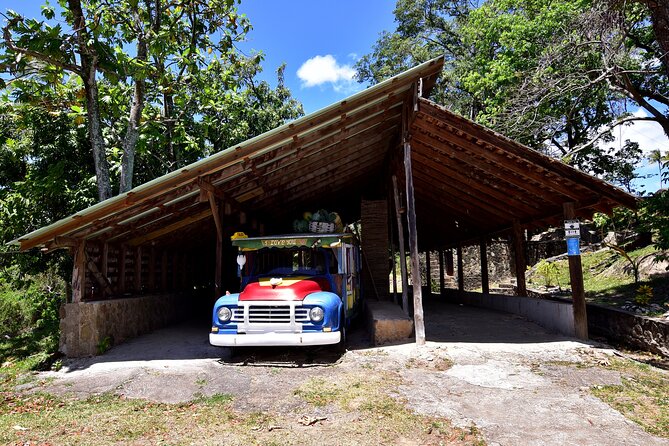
[(507, 376)]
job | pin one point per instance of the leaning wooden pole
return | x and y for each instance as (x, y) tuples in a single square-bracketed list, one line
[(577, 288), (413, 247), (402, 256), (519, 253)]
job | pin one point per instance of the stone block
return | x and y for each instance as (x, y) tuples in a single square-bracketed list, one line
[(388, 323)]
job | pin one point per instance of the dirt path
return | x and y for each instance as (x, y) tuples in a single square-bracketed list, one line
[(516, 383)]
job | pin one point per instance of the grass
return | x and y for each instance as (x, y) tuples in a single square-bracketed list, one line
[(642, 396), (358, 409), (602, 288), (381, 415)]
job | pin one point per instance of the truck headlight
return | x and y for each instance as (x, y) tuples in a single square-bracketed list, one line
[(316, 314), (224, 314)]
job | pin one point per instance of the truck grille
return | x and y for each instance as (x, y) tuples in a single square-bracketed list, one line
[(269, 314)]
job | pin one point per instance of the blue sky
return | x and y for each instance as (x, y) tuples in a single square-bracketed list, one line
[(320, 41), (324, 38)]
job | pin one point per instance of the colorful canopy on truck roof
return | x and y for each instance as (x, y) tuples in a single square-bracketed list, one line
[(292, 241)]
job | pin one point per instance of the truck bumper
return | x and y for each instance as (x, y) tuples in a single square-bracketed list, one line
[(273, 339)]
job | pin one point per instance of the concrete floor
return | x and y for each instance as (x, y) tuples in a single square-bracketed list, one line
[(510, 377)]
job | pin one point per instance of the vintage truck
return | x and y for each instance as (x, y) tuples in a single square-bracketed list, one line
[(300, 289)]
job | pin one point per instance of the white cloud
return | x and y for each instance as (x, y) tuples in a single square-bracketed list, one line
[(320, 70), (649, 134)]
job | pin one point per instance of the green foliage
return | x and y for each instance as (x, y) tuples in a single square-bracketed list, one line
[(548, 272), (644, 294), (29, 320), (557, 76), (105, 344)]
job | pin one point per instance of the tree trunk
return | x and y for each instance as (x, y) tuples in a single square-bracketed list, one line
[(88, 73), (132, 132), (659, 14)]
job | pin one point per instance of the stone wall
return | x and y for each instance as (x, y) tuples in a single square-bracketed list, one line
[(557, 317), (499, 264), (629, 329), (84, 325)]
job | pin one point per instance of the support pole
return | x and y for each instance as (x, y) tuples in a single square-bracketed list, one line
[(441, 272), (215, 211), (104, 266), (79, 272), (485, 283), (152, 269), (413, 247), (138, 270), (461, 271), (121, 268), (428, 272), (163, 271), (402, 256), (449, 263), (577, 288), (519, 253)]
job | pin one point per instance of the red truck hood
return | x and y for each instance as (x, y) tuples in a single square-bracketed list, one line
[(289, 288)]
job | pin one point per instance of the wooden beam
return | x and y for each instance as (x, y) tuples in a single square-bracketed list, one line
[(486, 136), (100, 278), (413, 247), (577, 288), (79, 272), (485, 283), (170, 228), (518, 236), (402, 257), (461, 271)]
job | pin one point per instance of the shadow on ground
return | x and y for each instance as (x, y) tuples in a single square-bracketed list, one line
[(445, 323)]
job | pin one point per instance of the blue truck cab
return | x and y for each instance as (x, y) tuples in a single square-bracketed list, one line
[(298, 289)]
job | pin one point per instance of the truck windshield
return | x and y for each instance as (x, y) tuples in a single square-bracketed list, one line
[(290, 262)]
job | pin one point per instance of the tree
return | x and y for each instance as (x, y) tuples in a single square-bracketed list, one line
[(558, 76), (174, 40), (655, 156)]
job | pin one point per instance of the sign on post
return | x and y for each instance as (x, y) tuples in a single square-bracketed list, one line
[(572, 232)]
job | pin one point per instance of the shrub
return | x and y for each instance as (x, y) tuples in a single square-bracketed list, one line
[(644, 294)]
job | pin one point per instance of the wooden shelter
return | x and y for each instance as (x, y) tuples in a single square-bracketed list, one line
[(456, 183)]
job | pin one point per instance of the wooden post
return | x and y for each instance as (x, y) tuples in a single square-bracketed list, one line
[(121, 269), (216, 212), (461, 270), (485, 283), (152, 269), (138, 269), (104, 266), (163, 271), (428, 272), (400, 237), (441, 272), (577, 288), (392, 253), (413, 248), (449, 263), (519, 254), (79, 272), (175, 272)]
